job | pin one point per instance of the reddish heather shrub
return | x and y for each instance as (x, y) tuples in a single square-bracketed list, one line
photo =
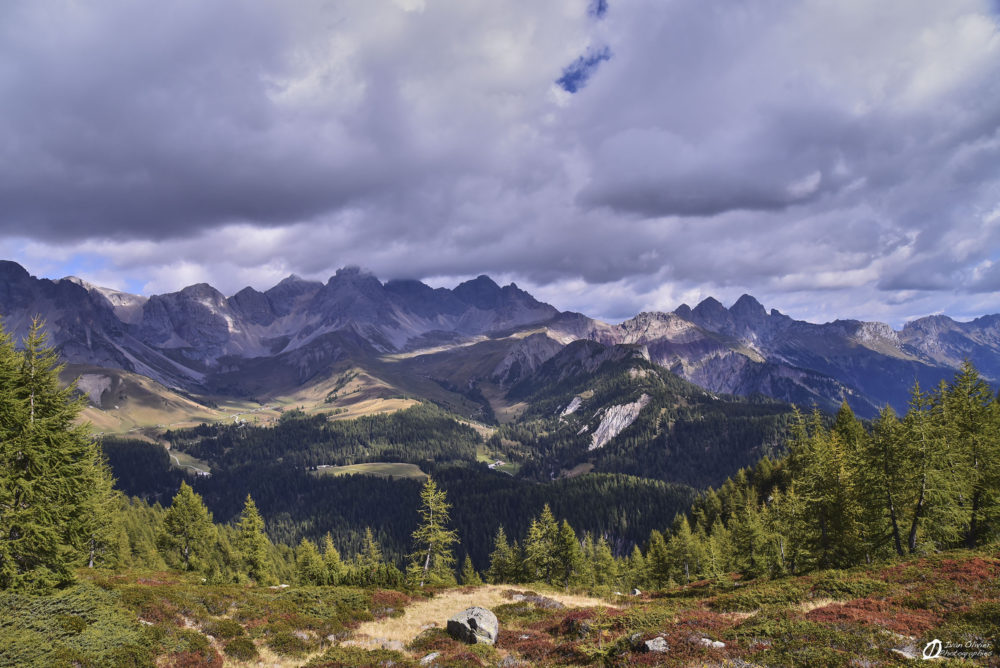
[(573, 623), (969, 571), (534, 647), (460, 659), (389, 598), (876, 612), (700, 620), (435, 640)]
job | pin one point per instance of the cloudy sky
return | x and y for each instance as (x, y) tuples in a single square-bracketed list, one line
[(834, 158)]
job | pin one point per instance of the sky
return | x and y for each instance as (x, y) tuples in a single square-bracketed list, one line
[(833, 158)]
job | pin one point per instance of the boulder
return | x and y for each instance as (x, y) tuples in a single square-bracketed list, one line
[(658, 644), (474, 625), (429, 659)]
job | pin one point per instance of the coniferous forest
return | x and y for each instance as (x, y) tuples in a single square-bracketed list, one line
[(76, 512)]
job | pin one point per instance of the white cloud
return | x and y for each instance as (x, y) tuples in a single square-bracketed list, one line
[(818, 154)]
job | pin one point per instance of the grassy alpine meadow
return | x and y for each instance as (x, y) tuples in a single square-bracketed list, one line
[(383, 469), (882, 615)]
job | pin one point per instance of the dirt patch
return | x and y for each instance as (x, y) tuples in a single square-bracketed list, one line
[(435, 611)]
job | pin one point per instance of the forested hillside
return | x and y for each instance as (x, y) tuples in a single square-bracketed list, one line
[(841, 494)]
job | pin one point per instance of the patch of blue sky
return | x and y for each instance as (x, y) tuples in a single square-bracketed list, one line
[(577, 73)]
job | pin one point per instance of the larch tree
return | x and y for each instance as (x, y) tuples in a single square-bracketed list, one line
[(433, 559)]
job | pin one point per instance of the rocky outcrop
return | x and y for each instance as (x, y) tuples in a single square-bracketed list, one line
[(474, 626), (524, 358), (615, 420), (571, 408)]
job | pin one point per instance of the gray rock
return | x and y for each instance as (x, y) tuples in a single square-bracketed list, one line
[(714, 644), (636, 592), (474, 625), (658, 644), (429, 659)]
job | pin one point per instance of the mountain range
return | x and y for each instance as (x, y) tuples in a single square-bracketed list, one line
[(469, 345)]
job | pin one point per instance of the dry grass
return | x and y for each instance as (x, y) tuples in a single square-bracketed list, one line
[(437, 610), (807, 606)]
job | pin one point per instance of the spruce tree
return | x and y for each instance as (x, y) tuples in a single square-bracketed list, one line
[(53, 481), (187, 533), (469, 575), (253, 544), (433, 560)]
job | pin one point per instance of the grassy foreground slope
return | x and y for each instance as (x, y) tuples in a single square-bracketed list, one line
[(875, 616)]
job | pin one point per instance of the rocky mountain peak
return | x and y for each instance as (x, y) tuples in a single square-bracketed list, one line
[(203, 292), (253, 306), (747, 308), (481, 292), (710, 306), (12, 271)]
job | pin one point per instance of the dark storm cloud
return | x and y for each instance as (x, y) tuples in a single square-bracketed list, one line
[(819, 154)]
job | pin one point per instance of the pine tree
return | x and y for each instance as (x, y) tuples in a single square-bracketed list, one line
[(505, 562), (751, 542), (658, 564), (540, 546), (882, 468), (253, 544), (636, 573), (187, 533), (568, 555), (433, 560), (604, 565), (335, 568), (685, 553), (970, 420), (718, 551), (369, 561), (309, 566), (469, 575)]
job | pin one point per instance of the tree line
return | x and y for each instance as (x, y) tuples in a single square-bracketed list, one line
[(846, 493)]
